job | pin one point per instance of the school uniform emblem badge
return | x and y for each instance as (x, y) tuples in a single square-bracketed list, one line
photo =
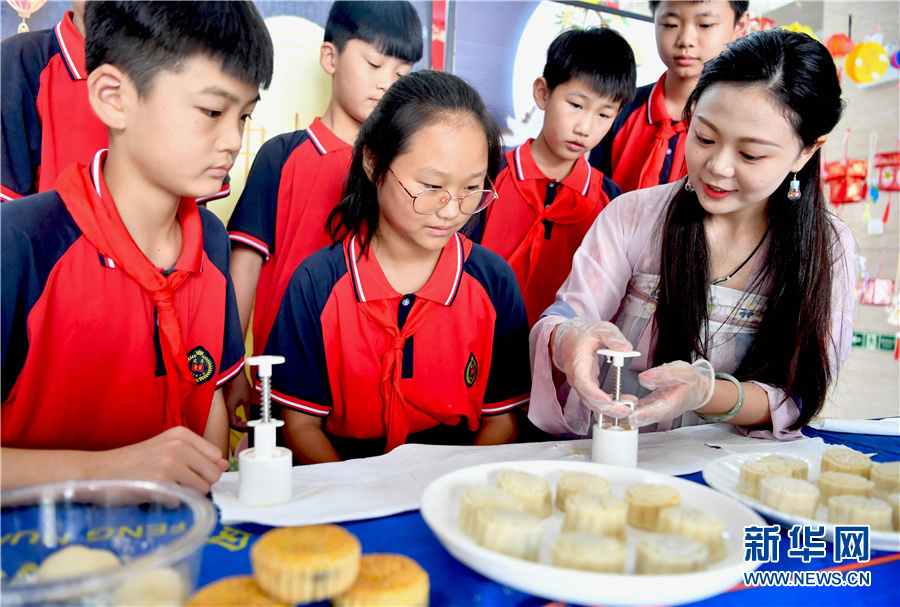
[(201, 364), (471, 371)]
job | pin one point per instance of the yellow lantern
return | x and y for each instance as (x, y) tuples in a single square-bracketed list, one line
[(797, 27), (867, 62)]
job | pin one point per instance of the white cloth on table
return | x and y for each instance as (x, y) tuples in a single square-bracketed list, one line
[(615, 276), (388, 484), (882, 427)]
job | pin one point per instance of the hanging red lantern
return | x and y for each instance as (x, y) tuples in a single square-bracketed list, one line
[(839, 45)]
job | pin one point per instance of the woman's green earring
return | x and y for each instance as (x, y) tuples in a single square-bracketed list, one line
[(794, 193), (688, 186)]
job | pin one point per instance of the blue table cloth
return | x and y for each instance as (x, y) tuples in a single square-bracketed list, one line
[(452, 583)]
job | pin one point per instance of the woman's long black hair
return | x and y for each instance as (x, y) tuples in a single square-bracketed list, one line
[(791, 347), (414, 101)]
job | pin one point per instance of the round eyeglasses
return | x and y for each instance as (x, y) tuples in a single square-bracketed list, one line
[(431, 200)]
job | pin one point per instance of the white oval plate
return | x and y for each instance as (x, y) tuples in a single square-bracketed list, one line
[(724, 473), (440, 509)]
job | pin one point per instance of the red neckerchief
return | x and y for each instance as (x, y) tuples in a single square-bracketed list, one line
[(563, 210), (396, 415), (651, 160), (100, 223), (656, 156)]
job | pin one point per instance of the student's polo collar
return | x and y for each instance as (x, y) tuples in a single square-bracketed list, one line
[(324, 140), (71, 46), (370, 283), (656, 105), (191, 258), (578, 180)]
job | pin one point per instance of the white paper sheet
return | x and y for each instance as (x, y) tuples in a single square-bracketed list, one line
[(882, 427), (392, 483)]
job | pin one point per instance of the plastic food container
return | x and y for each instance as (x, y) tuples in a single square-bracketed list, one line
[(156, 530)]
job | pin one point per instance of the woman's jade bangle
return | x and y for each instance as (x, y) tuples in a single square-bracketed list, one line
[(734, 410)]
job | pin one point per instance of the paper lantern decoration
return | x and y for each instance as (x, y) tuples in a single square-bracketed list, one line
[(803, 29), (839, 45), (887, 168), (25, 8), (867, 62), (846, 180)]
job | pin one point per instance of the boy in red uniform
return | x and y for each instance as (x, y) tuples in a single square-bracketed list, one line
[(549, 194), (119, 323), (645, 146), (297, 177), (47, 120)]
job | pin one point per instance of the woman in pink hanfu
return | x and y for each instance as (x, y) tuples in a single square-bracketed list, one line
[(736, 284)]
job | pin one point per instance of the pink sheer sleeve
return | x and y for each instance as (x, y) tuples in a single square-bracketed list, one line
[(843, 305), (843, 297), (622, 241)]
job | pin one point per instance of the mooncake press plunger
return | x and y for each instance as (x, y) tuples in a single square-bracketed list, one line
[(265, 470), (615, 443)]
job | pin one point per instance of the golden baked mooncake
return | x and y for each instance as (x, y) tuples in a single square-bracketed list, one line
[(235, 591), (305, 564), (386, 580)]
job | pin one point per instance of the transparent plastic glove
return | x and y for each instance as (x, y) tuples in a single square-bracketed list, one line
[(575, 353), (677, 387)]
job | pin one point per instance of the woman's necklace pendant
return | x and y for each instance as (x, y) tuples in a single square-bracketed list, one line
[(749, 257)]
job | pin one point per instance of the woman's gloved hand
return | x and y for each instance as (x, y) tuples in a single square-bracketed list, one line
[(677, 387), (575, 354)]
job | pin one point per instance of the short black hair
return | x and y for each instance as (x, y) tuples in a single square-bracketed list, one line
[(392, 27), (143, 38), (598, 55), (739, 8)]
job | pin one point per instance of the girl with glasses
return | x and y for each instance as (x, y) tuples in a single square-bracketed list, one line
[(404, 330)]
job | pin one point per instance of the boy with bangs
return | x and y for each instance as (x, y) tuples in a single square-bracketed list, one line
[(645, 146), (297, 178), (119, 323), (549, 194)]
